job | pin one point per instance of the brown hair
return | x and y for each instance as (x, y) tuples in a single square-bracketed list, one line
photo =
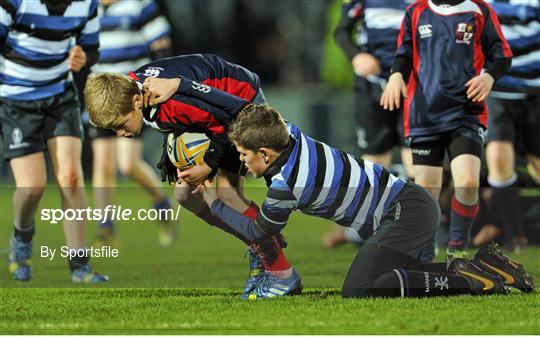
[(108, 97), (259, 126)]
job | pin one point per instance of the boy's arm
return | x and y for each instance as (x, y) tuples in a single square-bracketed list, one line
[(217, 150), (211, 95), (396, 88), (498, 56), (272, 218), (89, 37), (8, 11), (495, 47), (151, 23), (158, 90), (404, 51), (196, 114), (351, 14), (364, 63), (155, 29)]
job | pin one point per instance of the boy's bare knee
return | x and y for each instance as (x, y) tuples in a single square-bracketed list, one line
[(30, 194), (467, 182), (69, 177), (127, 168)]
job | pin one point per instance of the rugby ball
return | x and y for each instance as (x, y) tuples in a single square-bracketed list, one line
[(187, 150)]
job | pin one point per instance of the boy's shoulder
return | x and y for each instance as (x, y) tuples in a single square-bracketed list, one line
[(415, 4)]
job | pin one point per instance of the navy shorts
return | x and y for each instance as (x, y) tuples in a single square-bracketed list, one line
[(377, 130), (430, 150), (27, 125), (516, 121)]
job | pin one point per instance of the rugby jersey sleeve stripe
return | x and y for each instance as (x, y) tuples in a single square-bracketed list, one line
[(405, 38)]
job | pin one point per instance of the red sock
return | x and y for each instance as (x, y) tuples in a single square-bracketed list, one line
[(252, 211), (281, 262)]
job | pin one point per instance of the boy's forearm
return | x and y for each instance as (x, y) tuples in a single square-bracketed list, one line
[(402, 64), (217, 150), (343, 37), (499, 67), (92, 56), (238, 221), (211, 95)]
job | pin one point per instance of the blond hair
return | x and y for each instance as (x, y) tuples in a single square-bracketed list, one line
[(109, 97), (259, 126)]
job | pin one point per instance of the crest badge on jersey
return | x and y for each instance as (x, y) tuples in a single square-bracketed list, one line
[(152, 71), (464, 33)]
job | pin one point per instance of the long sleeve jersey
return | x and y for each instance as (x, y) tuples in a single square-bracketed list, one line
[(35, 39), (371, 26), (316, 179), (520, 21), (447, 46), (211, 93)]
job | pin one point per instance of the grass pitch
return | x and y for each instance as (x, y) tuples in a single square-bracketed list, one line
[(193, 288)]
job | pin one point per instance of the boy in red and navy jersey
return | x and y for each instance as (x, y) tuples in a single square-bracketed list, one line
[(193, 105), (200, 93), (450, 52)]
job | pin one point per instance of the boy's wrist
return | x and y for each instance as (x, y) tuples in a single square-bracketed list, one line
[(487, 74), (211, 170), (396, 75), (179, 78)]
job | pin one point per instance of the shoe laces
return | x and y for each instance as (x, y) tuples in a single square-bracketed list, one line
[(255, 262), (266, 281)]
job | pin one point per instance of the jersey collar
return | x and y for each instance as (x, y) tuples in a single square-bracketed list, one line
[(461, 7)]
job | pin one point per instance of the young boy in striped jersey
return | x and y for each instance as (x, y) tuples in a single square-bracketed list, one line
[(43, 42), (396, 218)]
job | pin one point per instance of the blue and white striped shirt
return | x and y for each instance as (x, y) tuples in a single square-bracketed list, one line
[(36, 39), (128, 28), (520, 23), (322, 181)]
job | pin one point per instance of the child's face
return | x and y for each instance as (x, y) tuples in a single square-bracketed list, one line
[(130, 125), (254, 161)]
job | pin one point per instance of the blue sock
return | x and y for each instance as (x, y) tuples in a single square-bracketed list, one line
[(106, 224), (163, 204), (461, 220)]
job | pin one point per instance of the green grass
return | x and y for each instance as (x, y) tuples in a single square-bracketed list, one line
[(193, 288)]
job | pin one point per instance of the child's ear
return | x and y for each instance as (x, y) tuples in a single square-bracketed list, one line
[(137, 101), (264, 154)]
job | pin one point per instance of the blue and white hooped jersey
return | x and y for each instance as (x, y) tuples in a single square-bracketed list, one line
[(520, 21), (128, 28), (379, 26), (322, 181), (36, 40)]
